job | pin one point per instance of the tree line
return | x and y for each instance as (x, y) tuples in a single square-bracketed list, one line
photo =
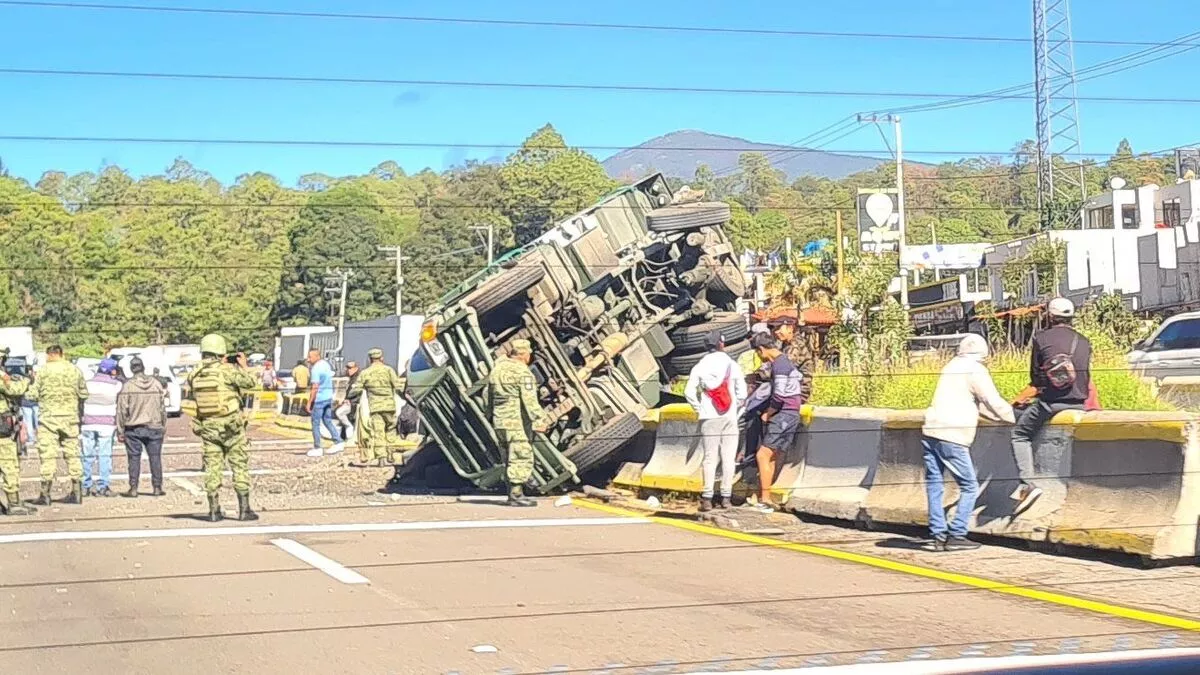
[(99, 259)]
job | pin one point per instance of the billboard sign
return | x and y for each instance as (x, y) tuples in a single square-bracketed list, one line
[(878, 220)]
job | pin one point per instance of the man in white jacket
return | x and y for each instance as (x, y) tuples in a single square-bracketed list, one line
[(964, 391), (716, 388)]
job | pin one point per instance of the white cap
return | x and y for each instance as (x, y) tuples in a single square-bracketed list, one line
[(1061, 307)]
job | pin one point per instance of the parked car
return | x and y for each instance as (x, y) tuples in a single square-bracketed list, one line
[(616, 299), (1172, 351)]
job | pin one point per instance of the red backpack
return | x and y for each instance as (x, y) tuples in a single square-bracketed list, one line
[(721, 395)]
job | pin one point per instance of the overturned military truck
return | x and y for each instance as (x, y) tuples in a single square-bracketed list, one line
[(616, 299)]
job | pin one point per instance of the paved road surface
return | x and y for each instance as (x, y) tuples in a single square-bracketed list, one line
[(547, 588)]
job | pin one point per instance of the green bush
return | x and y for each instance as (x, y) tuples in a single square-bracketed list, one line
[(911, 387)]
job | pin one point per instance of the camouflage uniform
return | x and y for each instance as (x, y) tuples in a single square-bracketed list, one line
[(798, 352), (381, 384), (218, 388), (515, 408), (59, 390), (11, 391)]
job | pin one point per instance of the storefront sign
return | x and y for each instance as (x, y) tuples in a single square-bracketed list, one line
[(950, 312)]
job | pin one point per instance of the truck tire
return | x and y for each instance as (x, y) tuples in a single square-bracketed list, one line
[(690, 339), (505, 287), (603, 443), (682, 364), (688, 216)]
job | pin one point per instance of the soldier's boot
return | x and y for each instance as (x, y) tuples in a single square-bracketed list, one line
[(15, 507), (516, 497), (76, 494), (244, 512), (44, 498), (214, 509)]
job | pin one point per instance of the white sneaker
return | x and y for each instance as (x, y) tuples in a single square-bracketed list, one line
[(337, 447), (316, 452)]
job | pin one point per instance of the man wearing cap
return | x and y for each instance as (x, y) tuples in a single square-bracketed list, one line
[(516, 414), (380, 384), (59, 389), (99, 428), (1060, 373), (716, 388), (11, 391)]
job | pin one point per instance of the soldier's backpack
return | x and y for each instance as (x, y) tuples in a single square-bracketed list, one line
[(213, 398)]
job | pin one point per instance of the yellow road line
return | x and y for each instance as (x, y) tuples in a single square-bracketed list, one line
[(916, 570)]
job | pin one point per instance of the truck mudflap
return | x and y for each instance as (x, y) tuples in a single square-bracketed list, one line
[(454, 421)]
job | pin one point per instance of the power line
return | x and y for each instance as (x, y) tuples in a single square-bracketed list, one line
[(717, 30), (479, 146), (570, 86)]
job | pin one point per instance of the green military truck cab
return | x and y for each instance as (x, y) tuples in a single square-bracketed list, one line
[(616, 301)]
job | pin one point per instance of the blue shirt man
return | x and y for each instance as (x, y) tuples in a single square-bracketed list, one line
[(320, 404)]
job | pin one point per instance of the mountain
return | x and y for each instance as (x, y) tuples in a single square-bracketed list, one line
[(678, 154)]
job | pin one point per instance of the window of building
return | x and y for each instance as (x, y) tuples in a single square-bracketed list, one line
[(1172, 214), (1129, 217), (1100, 219)]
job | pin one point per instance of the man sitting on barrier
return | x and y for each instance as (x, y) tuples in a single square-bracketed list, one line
[(964, 391), (1060, 378), (781, 419)]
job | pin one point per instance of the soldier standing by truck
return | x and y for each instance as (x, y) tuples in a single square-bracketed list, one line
[(11, 391), (217, 389), (59, 390), (516, 412), (381, 384)]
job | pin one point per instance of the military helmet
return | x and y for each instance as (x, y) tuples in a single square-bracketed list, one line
[(213, 344), (3, 350)]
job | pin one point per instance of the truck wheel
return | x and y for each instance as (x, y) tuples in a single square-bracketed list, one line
[(603, 443), (683, 363), (688, 216), (505, 287), (690, 339)]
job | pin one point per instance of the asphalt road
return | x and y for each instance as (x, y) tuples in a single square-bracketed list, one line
[(458, 587)]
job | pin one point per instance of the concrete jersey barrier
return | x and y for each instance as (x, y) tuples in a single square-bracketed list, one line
[(1120, 481)]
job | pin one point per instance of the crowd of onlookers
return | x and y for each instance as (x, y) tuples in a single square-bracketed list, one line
[(754, 403)]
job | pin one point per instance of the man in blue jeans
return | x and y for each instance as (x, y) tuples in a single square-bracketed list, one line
[(320, 404), (964, 391)]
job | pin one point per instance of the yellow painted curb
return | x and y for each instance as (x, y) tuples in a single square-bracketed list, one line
[(1118, 611), (1169, 431)]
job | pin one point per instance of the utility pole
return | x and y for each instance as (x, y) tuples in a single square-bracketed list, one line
[(491, 233), (899, 154), (400, 258), (337, 283), (841, 256)]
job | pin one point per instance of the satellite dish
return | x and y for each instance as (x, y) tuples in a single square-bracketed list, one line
[(1116, 182)]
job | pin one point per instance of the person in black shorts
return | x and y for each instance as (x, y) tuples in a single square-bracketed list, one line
[(781, 419)]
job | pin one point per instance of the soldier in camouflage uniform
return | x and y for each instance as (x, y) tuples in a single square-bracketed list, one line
[(11, 391), (795, 347), (516, 412), (59, 391), (217, 389), (381, 384)]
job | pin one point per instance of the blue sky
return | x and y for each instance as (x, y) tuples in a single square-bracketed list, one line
[(56, 38)]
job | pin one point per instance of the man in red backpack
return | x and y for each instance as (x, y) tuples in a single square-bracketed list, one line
[(1060, 373), (716, 388)]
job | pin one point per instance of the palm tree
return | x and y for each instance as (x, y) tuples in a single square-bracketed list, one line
[(802, 283)]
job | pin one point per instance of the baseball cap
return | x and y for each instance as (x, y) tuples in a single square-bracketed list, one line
[(1061, 307), (108, 366), (760, 327), (714, 340)]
